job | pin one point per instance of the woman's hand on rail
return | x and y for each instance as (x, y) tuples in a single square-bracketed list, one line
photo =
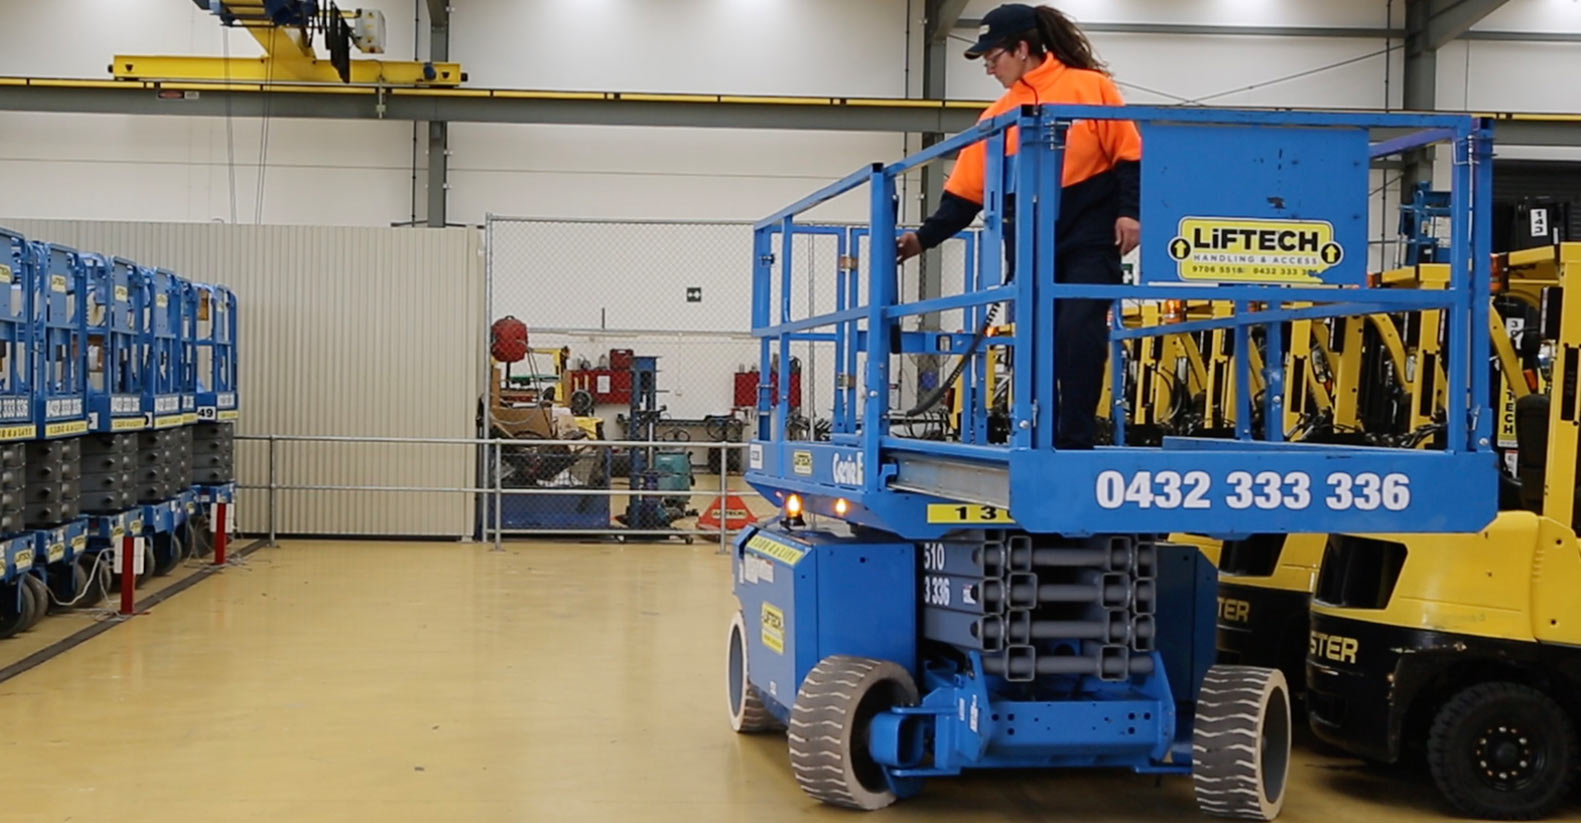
[(907, 247), (1127, 234)]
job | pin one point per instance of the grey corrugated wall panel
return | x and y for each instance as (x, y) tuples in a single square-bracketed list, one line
[(344, 331)]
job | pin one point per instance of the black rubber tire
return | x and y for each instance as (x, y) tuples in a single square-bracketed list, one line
[(98, 577), (150, 560), (16, 603), (747, 712), (829, 727), (199, 536), (1241, 742), (40, 599), (1509, 719), (79, 581), (168, 552)]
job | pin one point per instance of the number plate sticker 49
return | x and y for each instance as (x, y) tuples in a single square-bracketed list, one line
[(1267, 490)]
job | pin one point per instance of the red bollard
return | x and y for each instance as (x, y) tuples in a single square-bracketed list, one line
[(219, 533), (128, 577)]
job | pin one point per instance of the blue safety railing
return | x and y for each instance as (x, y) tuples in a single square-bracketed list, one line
[(17, 271), (57, 309), (1306, 158), (115, 359), (162, 343), (215, 353)]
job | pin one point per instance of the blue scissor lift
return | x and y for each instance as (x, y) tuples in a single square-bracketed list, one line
[(117, 310), (926, 606), (18, 269), (214, 437), (52, 512), (161, 484)]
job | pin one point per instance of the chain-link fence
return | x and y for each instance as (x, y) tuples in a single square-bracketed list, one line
[(637, 332), (598, 299)]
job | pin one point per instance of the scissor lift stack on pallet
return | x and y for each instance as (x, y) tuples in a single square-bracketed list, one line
[(923, 606)]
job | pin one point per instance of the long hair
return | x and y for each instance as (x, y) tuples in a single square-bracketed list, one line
[(1057, 35)]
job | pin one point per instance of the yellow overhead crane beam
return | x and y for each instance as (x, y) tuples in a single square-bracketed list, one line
[(289, 56), (274, 69)]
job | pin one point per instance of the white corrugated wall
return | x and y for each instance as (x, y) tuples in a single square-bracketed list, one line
[(343, 331)]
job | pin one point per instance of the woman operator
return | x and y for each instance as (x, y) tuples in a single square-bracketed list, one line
[(1040, 56)]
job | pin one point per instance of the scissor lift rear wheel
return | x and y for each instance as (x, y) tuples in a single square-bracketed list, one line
[(829, 729), (1241, 742)]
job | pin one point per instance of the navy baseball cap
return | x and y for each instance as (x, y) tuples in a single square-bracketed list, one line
[(1000, 25)]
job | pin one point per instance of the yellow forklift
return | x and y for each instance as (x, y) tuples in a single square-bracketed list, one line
[(1466, 649)]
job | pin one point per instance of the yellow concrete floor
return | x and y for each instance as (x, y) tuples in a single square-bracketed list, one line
[(339, 681)]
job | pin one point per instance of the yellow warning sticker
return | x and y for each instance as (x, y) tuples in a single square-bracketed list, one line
[(121, 295), (801, 462), (773, 628), (57, 282), (783, 552), (128, 424), (230, 415), (963, 513), (24, 559), (57, 552), (1254, 251), (62, 429), (5, 273), (17, 432)]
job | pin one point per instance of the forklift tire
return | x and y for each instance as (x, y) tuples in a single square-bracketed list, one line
[(1502, 751), (1241, 742), (747, 713), (829, 729), (40, 594)]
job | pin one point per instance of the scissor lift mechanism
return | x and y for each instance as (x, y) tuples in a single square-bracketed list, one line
[(974, 604)]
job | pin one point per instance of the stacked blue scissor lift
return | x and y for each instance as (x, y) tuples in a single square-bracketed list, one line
[(923, 606), (99, 387)]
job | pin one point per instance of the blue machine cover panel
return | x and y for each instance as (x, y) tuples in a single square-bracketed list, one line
[(811, 595), (1254, 205)]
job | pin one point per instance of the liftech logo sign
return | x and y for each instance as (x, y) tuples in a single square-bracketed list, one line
[(1218, 249)]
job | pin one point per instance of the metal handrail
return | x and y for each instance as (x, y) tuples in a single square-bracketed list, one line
[(496, 490)]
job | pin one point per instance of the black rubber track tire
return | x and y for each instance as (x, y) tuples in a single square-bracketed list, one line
[(1519, 719), (1241, 742), (829, 727)]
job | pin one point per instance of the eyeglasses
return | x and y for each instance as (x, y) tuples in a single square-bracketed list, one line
[(992, 56)]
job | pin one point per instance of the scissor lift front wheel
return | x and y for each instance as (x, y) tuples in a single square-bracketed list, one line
[(1241, 742), (829, 726), (747, 712)]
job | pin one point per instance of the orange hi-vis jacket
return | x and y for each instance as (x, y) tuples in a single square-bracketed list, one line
[(1102, 161)]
